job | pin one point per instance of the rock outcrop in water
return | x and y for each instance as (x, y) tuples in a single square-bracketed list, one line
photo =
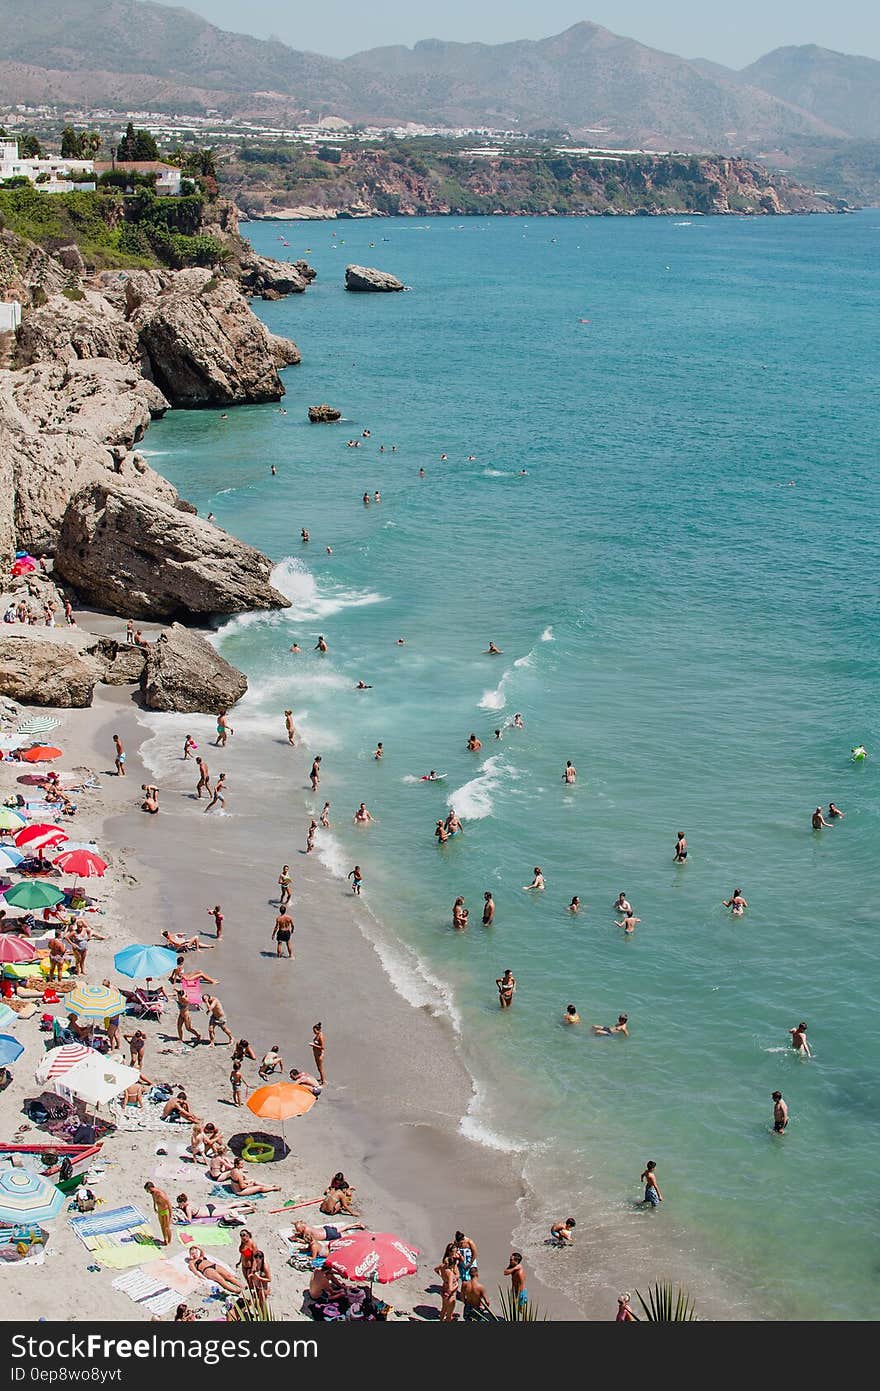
[(130, 553), (367, 278), (185, 673), (321, 415)]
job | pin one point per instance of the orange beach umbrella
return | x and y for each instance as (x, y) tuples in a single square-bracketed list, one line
[(280, 1101), (41, 753)]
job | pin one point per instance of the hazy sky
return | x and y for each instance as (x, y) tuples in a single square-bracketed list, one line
[(693, 28)]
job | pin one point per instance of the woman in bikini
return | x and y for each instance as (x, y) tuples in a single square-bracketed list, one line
[(338, 1197), (449, 1287), (259, 1278), (186, 1212), (202, 1265), (238, 1180)]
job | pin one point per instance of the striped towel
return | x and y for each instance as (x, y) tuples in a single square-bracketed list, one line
[(117, 1219)]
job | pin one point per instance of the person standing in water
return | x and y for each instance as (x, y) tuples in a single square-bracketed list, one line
[(570, 773), (218, 795), (310, 838), (380, 750), (325, 816), (357, 880), (575, 905), (204, 782), (653, 1197), (506, 989), (318, 1050), (780, 1114), (224, 729), (315, 774), (681, 848), (571, 1015), (321, 645), (629, 922), (538, 881), (290, 727), (818, 820), (834, 812), (736, 903), (488, 909), (799, 1041)]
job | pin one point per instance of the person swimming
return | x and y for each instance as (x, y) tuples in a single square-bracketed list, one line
[(799, 1041), (571, 1015), (575, 905), (605, 1030)]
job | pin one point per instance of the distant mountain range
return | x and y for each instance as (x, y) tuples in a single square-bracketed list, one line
[(599, 86)]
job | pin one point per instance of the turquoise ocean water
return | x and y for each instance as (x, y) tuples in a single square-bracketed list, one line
[(696, 634)]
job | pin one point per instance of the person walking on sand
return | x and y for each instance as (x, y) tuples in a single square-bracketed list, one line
[(325, 816), (216, 1019), (318, 1049), (780, 1114), (217, 914), (570, 773), (137, 1042), (310, 838), (653, 1197), (681, 848), (315, 774), (218, 795), (120, 756), (282, 932), (184, 1019), (357, 880), (189, 747), (488, 909), (290, 727), (799, 1041), (286, 883), (516, 1271), (204, 782), (235, 1081), (162, 1206), (224, 729), (506, 989)]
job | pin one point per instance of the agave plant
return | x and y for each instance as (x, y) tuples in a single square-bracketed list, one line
[(667, 1305), (246, 1309), (514, 1312)]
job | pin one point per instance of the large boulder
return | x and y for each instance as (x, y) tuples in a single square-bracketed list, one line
[(284, 351), (133, 554), (367, 278), (184, 672), (123, 663), (47, 667), (204, 345), (65, 329), (260, 274), (321, 415)]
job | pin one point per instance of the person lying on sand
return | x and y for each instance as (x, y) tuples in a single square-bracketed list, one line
[(186, 1212), (177, 942), (244, 1187), (318, 1238), (208, 1269)]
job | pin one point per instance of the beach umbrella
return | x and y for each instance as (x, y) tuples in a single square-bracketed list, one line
[(11, 820), (43, 835), (60, 1060), (95, 1002), (36, 724), (138, 962), (280, 1101), (372, 1256), (41, 753), (14, 949), (25, 1196), (29, 893), (82, 864), (9, 858), (97, 1080), (10, 1049)]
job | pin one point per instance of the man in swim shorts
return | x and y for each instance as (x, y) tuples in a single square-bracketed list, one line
[(681, 848), (282, 932), (780, 1113)]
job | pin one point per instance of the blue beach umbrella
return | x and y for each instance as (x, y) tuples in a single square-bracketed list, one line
[(10, 858), (138, 962), (10, 1049), (25, 1196)]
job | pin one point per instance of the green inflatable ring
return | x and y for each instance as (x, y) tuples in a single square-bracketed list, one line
[(256, 1152)]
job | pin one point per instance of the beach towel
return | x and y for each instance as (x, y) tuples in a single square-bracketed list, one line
[(122, 1257), (205, 1236), (189, 1172), (221, 1190), (117, 1219), (151, 1290)]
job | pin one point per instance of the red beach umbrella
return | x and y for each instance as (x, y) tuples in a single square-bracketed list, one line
[(82, 864), (372, 1256), (41, 836), (41, 753), (13, 949)]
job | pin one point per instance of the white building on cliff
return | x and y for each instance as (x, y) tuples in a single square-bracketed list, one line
[(52, 174)]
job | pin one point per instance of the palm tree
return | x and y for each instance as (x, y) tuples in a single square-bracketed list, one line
[(667, 1305)]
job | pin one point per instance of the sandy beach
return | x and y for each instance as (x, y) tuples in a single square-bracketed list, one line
[(396, 1090)]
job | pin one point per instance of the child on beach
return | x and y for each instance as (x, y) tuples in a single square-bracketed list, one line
[(272, 1062), (217, 914), (235, 1082)]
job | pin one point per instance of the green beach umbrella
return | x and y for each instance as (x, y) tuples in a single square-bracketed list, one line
[(32, 894), (10, 820)]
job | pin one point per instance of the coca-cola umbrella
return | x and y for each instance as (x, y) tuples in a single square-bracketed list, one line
[(82, 864), (372, 1256), (42, 835)]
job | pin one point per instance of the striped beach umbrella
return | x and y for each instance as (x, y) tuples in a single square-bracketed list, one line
[(60, 1060), (32, 893), (25, 1196), (36, 725), (11, 820), (9, 858), (139, 962), (16, 949), (95, 1002), (42, 835)]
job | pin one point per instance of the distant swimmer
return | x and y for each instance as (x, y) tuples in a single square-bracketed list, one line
[(488, 909), (506, 989), (780, 1113), (834, 812), (681, 848), (473, 743), (471, 458), (523, 473), (629, 922), (305, 535), (575, 905), (859, 753), (377, 496), (357, 880), (295, 647), (818, 820), (422, 473), (329, 550), (518, 722), (273, 470), (493, 651), (380, 750), (430, 777), (736, 903), (362, 686), (622, 903), (443, 458), (606, 1030), (499, 734), (321, 645), (570, 772), (362, 816), (441, 833), (401, 642), (537, 881), (571, 1015), (459, 914), (799, 1041), (366, 499)]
